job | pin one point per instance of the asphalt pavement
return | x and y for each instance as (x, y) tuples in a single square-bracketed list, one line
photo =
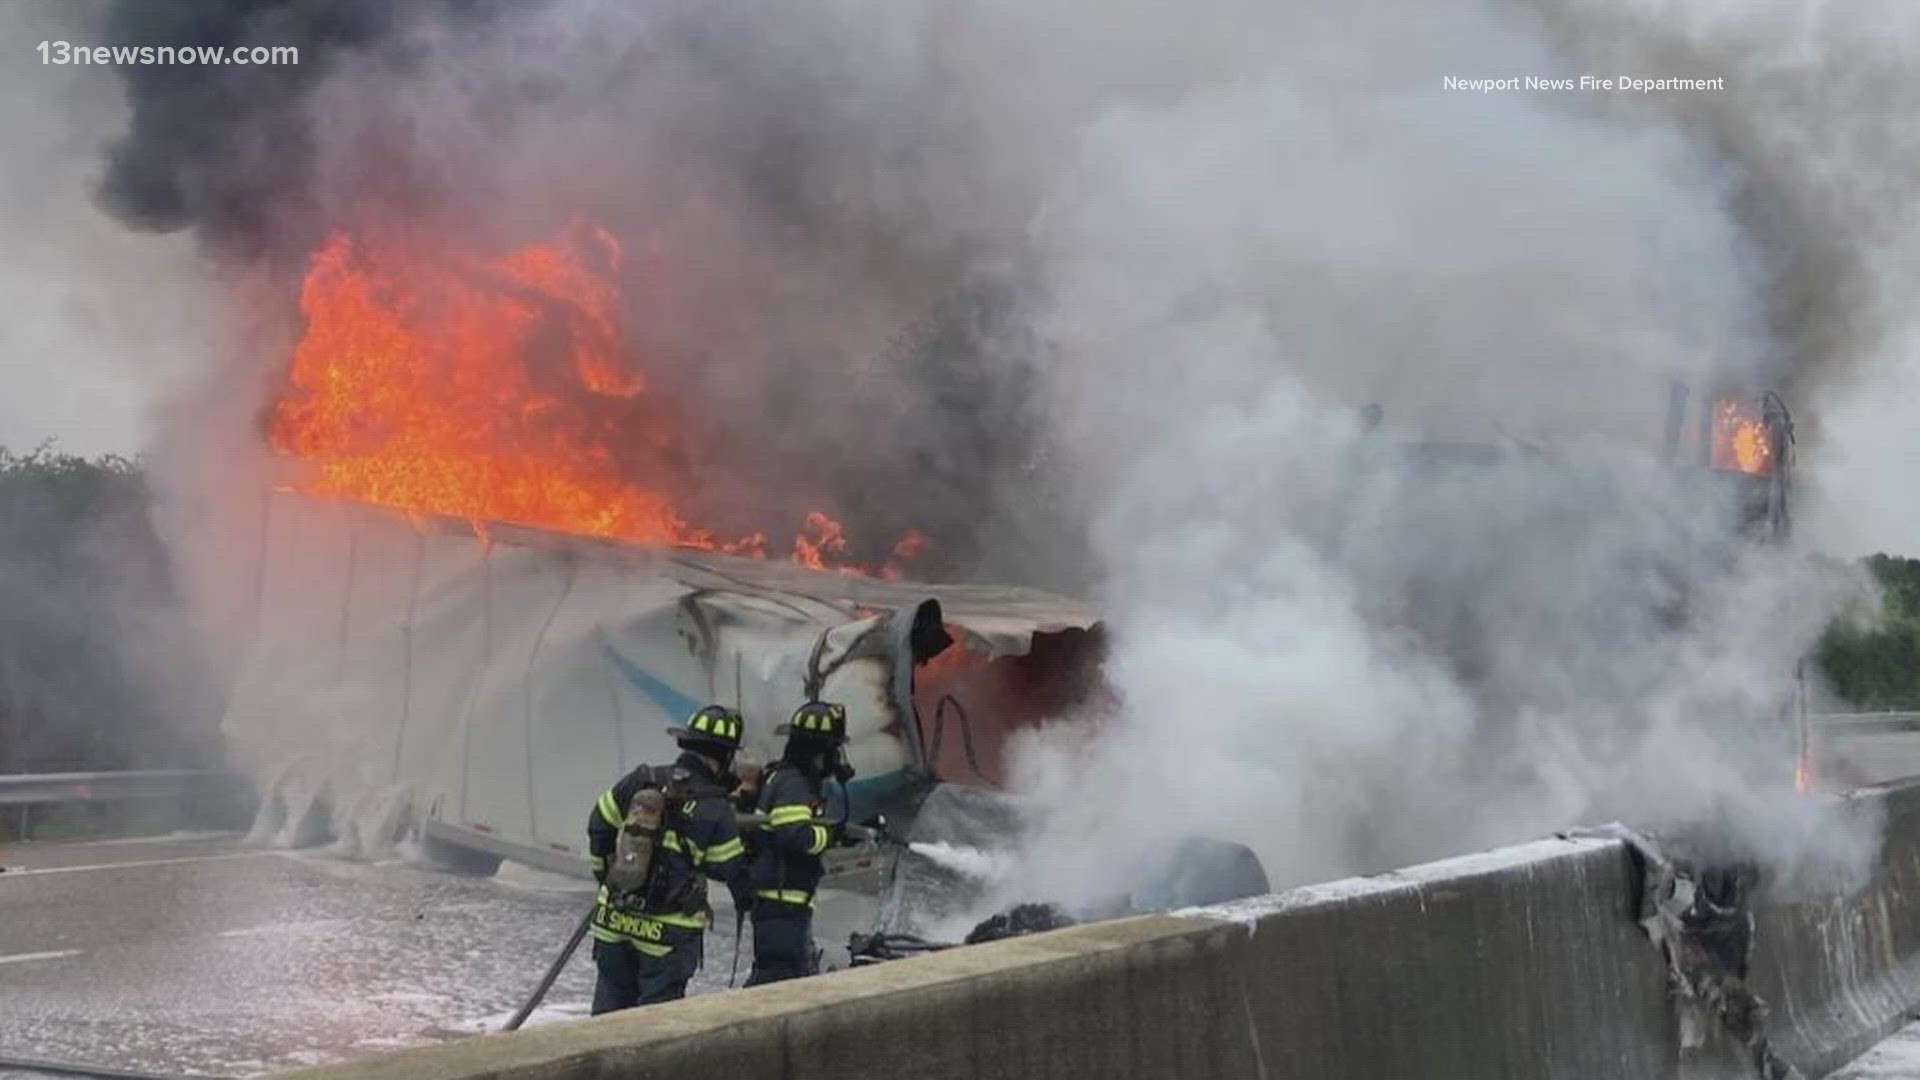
[(1897, 1058), (194, 955)]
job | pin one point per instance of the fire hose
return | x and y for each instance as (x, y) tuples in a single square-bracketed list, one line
[(745, 821), (1017, 921), (876, 834), (865, 949), (553, 972), (739, 931)]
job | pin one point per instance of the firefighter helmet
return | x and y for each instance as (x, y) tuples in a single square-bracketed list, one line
[(715, 725), (822, 721)]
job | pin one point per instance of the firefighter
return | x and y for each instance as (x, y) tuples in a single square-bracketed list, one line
[(786, 861), (647, 937)]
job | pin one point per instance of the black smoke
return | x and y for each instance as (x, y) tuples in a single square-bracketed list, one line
[(225, 149), (422, 112)]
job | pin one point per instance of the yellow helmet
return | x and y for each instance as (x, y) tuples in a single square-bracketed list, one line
[(714, 724), (824, 721)]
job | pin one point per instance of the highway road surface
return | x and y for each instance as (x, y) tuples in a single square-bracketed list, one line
[(194, 955), (1898, 1058)]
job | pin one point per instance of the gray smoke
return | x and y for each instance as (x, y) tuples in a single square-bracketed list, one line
[(1817, 121), (97, 666), (96, 322), (827, 343), (1349, 653), (223, 149)]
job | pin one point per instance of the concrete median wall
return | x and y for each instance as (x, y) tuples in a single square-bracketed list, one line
[(1842, 973), (1523, 963)]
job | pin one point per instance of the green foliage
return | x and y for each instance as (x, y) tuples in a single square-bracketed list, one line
[(68, 485), (87, 611), (1877, 666)]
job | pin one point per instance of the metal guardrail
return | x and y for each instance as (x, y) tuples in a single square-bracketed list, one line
[(1880, 723), (43, 789)]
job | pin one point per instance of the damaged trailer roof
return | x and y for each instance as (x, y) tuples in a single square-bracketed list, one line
[(404, 672), (999, 620)]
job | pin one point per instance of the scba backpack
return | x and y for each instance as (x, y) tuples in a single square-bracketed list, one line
[(662, 803)]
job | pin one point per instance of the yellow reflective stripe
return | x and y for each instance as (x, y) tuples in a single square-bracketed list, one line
[(639, 927), (786, 896), (726, 852), (609, 809), (623, 921), (790, 814), (821, 838), (649, 947), (689, 922), (596, 862), (683, 845)]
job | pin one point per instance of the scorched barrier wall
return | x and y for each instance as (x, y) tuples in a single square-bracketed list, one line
[(1518, 964)]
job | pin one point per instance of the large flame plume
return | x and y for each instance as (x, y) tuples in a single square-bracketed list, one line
[(496, 389), (1740, 439)]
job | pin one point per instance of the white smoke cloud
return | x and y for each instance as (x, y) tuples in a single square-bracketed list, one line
[(1818, 121), (1233, 269), (99, 328), (100, 325)]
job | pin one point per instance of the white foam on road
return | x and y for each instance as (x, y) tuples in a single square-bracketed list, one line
[(555, 1013), (267, 960), (409, 997), (289, 929), (1250, 911), (526, 877)]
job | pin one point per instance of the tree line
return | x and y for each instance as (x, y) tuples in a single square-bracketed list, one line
[(97, 666), (1874, 665)]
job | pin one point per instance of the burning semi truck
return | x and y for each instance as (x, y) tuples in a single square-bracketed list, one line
[(470, 617), (410, 676), (1550, 582), (415, 684)]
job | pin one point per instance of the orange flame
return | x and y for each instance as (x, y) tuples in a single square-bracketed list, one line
[(1740, 439), (910, 546), (827, 540), (490, 389)]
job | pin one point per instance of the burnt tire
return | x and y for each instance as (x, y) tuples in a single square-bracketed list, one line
[(457, 859), (1204, 872)]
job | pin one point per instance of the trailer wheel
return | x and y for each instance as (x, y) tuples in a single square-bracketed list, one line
[(457, 859)]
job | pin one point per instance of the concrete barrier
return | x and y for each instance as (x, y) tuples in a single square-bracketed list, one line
[(1523, 963), (1842, 973)]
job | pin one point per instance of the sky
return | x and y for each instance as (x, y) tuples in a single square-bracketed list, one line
[(97, 323)]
